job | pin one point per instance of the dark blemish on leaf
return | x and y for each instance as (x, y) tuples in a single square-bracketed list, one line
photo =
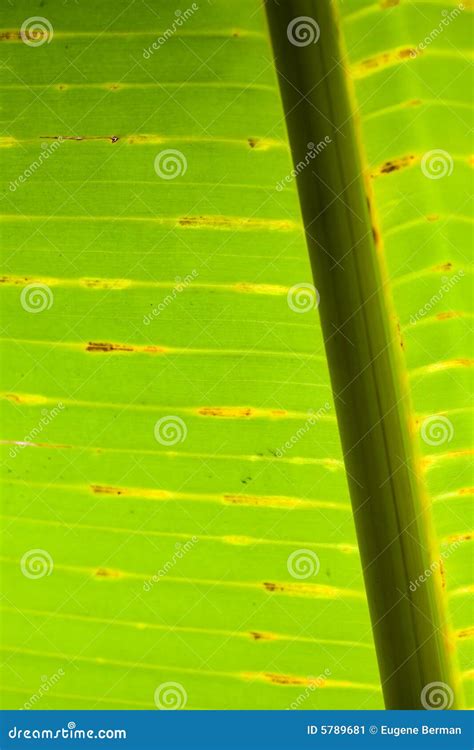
[(269, 586), (100, 489), (284, 679), (442, 573), (400, 337), (259, 636), (6, 35), (94, 346), (376, 236), (252, 142), (447, 315), (106, 573), (221, 411), (20, 280), (395, 164), (111, 138), (407, 53)]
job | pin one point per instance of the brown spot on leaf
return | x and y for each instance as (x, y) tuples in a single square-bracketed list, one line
[(410, 52), (100, 489), (252, 142), (447, 315), (269, 586), (111, 138), (94, 346), (376, 236), (383, 60), (400, 337), (6, 36), (260, 636), (442, 573), (225, 411), (394, 165), (16, 280), (466, 633), (285, 679), (107, 573)]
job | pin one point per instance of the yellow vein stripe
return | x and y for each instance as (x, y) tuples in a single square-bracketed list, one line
[(153, 85), (408, 225), (13, 34), (278, 680), (385, 6), (331, 464), (310, 590), (234, 540), (240, 287), (452, 364), (438, 271), (218, 223), (204, 412), (415, 103), (146, 139), (402, 56), (138, 625), (240, 499), (157, 349)]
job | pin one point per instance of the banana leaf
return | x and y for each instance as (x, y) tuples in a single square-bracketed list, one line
[(182, 473)]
